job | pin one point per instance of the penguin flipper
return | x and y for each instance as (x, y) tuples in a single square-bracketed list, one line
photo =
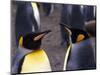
[(20, 65)]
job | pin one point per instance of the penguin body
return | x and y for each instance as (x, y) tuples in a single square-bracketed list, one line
[(80, 55), (37, 60)]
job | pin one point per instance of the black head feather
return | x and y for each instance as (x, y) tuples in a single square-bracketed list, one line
[(30, 43), (75, 33)]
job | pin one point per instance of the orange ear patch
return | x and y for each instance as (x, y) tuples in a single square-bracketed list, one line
[(80, 37)]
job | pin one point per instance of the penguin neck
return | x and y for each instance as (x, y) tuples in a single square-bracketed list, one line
[(69, 42), (40, 49), (22, 48), (37, 51), (82, 41), (69, 46)]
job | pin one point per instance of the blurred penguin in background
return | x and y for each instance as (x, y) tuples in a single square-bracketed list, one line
[(47, 8), (89, 13), (27, 19), (77, 18), (90, 19), (65, 18), (90, 24), (72, 16)]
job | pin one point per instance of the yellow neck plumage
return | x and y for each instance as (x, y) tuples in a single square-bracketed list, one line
[(36, 61)]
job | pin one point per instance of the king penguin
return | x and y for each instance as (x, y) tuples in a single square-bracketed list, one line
[(79, 54), (27, 21), (37, 60)]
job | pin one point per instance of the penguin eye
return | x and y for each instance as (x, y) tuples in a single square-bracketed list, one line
[(80, 37)]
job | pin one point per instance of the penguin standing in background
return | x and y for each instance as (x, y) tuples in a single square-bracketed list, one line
[(37, 60), (48, 8), (90, 19), (79, 55), (77, 18), (71, 16), (90, 27), (27, 19), (89, 13), (90, 24)]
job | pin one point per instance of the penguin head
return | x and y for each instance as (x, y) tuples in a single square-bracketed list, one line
[(32, 40), (77, 35)]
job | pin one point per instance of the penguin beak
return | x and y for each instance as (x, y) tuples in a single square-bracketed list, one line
[(67, 28), (46, 32), (41, 35)]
